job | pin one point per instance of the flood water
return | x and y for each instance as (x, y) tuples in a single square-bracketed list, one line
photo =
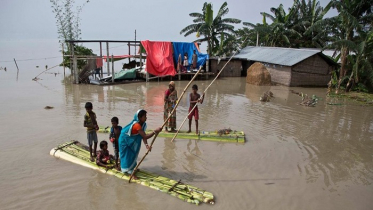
[(295, 157)]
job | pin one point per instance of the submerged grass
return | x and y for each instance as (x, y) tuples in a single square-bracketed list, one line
[(359, 97)]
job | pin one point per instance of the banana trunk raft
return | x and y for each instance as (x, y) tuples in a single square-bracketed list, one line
[(78, 153), (225, 135)]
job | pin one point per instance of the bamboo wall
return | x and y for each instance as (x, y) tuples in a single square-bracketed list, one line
[(280, 74), (314, 71), (233, 68)]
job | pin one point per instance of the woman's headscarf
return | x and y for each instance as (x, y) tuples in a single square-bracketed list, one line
[(127, 130), (172, 83)]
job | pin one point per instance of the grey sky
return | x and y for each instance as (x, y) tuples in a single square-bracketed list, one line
[(159, 20)]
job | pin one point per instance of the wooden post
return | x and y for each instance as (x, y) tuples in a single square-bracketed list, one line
[(129, 51), (112, 68), (17, 67), (107, 58), (63, 58), (75, 67), (135, 42), (102, 61), (208, 65), (140, 57), (72, 62)]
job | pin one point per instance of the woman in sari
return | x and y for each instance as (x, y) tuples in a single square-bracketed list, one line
[(170, 98), (130, 141)]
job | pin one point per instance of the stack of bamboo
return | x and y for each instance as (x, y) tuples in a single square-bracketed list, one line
[(78, 153)]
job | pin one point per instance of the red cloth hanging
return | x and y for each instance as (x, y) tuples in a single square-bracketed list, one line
[(159, 60), (98, 62)]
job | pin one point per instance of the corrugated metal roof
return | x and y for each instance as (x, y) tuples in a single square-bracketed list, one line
[(276, 55)]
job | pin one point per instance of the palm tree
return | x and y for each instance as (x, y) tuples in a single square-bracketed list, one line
[(209, 27)]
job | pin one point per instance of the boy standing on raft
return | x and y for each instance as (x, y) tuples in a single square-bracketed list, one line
[(91, 124), (114, 136), (194, 98)]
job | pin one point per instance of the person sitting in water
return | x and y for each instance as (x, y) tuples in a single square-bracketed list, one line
[(130, 141), (104, 158)]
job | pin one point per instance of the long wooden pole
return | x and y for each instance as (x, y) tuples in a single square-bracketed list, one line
[(164, 123), (178, 130)]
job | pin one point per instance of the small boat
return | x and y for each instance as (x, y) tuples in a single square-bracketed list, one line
[(78, 153), (224, 135)]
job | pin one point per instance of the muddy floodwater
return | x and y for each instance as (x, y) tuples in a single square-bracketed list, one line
[(294, 157)]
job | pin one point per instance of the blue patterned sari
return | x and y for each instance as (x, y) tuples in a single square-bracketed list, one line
[(129, 146)]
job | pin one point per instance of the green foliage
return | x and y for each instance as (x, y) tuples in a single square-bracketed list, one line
[(67, 19), (213, 29), (361, 88), (305, 26), (68, 28), (78, 50)]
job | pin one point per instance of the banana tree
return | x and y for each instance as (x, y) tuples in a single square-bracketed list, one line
[(210, 27)]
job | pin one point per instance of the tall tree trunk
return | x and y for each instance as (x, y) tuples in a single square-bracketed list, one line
[(342, 72)]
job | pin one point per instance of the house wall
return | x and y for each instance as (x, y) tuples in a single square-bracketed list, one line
[(280, 74), (314, 71), (232, 69)]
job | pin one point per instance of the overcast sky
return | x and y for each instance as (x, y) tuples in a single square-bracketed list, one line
[(158, 20)]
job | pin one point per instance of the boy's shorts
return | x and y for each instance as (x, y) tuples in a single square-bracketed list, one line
[(92, 137), (195, 113), (116, 150)]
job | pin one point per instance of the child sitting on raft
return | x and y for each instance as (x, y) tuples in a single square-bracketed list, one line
[(104, 159)]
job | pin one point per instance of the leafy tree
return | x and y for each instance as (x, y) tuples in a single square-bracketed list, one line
[(212, 29), (279, 32), (305, 16), (260, 31), (68, 28), (78, 50), (354, 16)]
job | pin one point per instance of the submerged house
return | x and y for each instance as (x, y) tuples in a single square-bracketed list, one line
[(288, 66)]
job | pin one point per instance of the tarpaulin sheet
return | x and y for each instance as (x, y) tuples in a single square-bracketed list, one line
[(187, 47), (159, 61), (117, 57)]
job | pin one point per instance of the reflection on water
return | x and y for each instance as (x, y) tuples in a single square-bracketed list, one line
[(334, 143), (308, 151)]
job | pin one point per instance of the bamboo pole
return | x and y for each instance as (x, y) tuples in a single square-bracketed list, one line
[(164, 123), (178, 130), (35, 78)]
